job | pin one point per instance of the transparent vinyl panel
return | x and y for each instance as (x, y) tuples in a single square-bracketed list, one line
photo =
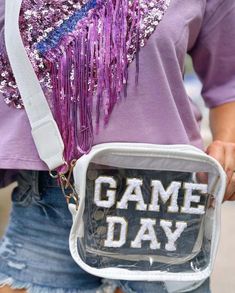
[(145, 218)]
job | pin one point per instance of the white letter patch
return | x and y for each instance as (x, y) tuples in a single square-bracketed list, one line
[(146, 233)]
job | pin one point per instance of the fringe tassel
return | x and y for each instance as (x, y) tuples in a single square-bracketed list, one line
[(89, 68)]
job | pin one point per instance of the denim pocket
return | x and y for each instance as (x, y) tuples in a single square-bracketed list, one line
[(21, 196), (27, 190)]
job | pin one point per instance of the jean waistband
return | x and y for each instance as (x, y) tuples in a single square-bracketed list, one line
[(36, 180)]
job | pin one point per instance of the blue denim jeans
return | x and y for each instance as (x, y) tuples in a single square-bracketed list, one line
[(34, 251), (156, 287)]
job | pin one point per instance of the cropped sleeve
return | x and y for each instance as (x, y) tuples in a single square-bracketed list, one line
[(214, 53)]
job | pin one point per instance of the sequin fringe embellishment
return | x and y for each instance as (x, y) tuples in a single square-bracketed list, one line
[(80, 51)]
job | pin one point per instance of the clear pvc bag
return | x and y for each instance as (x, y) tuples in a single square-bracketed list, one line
[(147, 212)]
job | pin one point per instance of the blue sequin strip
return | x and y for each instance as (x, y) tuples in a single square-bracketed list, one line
[(68, 26)]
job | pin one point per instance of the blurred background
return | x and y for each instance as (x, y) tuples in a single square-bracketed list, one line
[(223, 277)]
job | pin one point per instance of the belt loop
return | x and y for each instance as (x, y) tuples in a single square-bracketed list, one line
[(35, 182)]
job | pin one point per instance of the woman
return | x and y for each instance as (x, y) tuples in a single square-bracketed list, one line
[(34, 253)]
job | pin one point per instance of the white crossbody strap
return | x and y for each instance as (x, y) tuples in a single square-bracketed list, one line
[(45, 131)]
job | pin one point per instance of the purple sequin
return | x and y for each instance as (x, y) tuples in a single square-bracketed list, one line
[(80, 50)]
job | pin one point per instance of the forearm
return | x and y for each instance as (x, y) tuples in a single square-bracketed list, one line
[(222, 122)]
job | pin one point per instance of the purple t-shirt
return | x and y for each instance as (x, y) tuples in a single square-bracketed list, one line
[(157, 110)]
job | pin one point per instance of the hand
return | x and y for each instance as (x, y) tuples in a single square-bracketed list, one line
[(224, 153)]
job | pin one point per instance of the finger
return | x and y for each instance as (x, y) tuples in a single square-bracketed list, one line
[(230, 191), (229, 161), (232, 198), (202, 177), (229, 169), (216, 150)]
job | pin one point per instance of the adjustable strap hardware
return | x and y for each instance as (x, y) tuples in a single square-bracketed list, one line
[(67, 185)]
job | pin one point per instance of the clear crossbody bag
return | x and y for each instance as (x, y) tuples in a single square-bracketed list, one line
[(147, 212), (140, 211)]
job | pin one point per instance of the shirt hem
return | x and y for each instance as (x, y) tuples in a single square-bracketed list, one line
[(214, 104), (22, 164)]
